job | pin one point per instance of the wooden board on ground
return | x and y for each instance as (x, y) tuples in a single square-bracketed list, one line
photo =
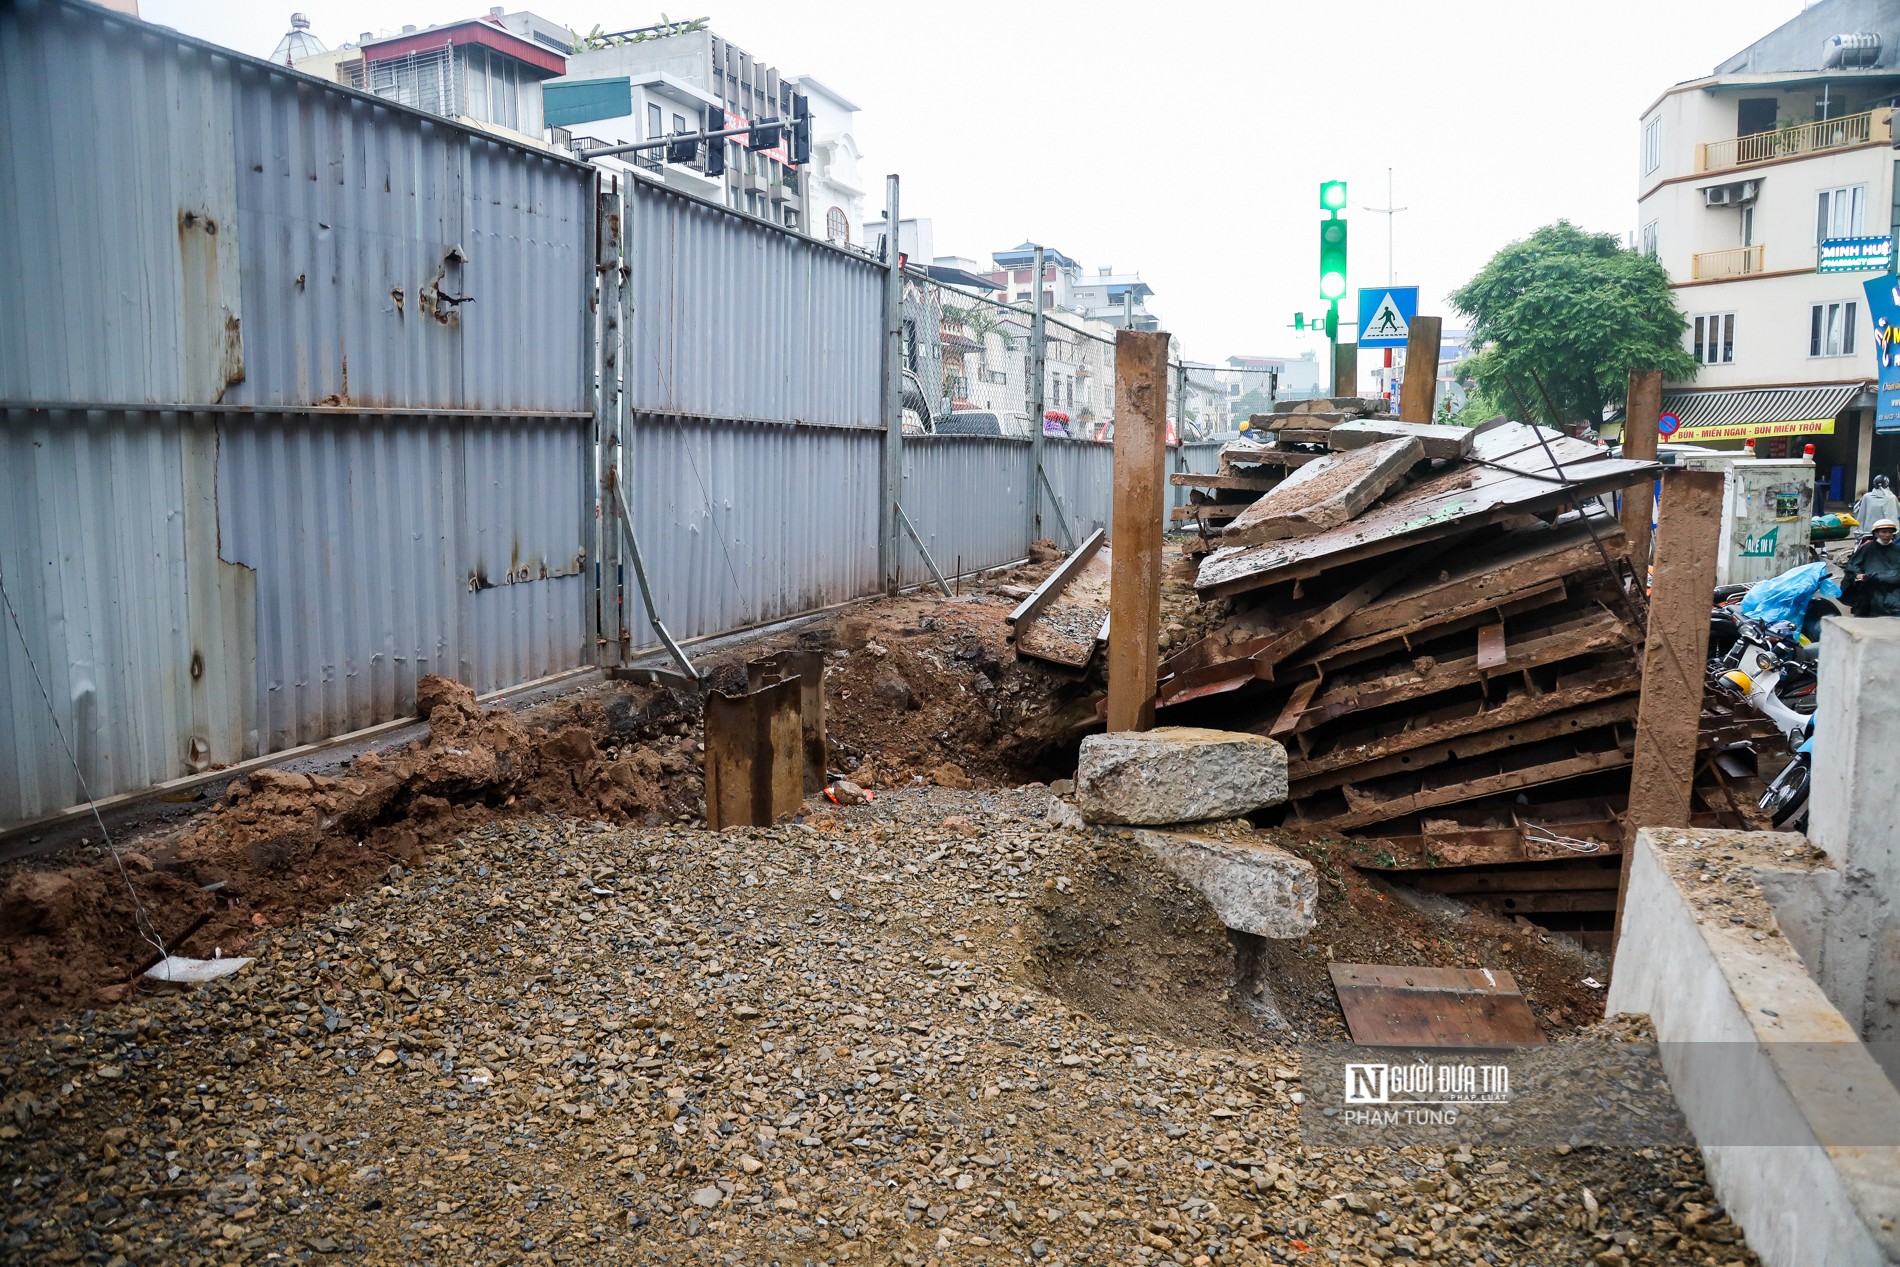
[(1394, 1005), (1068, 628)]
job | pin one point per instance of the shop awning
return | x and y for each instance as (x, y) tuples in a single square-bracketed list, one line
[(1743, 413)]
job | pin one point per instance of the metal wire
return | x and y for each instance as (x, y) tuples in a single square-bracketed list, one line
[(142, 918)]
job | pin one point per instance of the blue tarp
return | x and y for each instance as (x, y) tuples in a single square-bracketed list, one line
[(1786, 597)]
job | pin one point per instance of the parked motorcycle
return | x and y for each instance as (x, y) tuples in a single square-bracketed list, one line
[(1756, 650), (1786, 800)]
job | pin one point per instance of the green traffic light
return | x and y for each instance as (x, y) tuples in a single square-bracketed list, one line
[(1332, 258), (1332, 285), (1332, 195)]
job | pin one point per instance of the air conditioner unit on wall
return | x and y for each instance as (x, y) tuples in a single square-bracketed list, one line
[(1719, 196)]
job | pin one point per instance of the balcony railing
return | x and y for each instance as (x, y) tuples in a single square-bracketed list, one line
[(1801, 138), (1738, 262)]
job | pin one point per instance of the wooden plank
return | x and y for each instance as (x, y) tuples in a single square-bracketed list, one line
[(1588, 873), (1580, 901), (1394, 1005), (1491, 647), (1675, 653), (1421, 369), (1254, 660), (1290, 715), (1456, 501), (1054, 583), (1230, 483), (1474, 736), (1141, 453), (1596, 632), (1382, 808), (1206, 513), (1640, 416)]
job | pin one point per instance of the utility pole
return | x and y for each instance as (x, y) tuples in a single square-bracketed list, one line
[(1390, 211), (1038, 404)]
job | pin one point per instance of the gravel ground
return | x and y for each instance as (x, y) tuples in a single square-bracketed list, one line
[(829, 1042)]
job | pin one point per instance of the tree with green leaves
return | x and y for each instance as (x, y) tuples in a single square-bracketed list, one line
[(1576, 312)]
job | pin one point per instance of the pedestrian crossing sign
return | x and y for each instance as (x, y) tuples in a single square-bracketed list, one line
[(1385, 316)]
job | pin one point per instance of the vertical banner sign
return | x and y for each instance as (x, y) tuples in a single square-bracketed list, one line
[(1883, 305)]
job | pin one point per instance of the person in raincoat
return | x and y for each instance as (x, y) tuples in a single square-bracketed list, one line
[(1877, 503), (1875, 571)]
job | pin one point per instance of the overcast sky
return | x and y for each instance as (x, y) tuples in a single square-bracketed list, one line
[(1188, 140)]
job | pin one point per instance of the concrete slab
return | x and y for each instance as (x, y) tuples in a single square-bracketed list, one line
[(1177, 774), (1437, 441), (1252, 886), (1326, 493), (1798, 1126)]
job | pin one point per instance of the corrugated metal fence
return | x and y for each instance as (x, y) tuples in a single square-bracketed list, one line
[(299, 397), (331, 358)]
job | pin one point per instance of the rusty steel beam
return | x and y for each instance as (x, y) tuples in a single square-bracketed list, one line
[(807, 668), (1134, 596), (755, 756), (1640, 436), (1345, 369), (1420, 386), (1056, 581), (1675, 657)]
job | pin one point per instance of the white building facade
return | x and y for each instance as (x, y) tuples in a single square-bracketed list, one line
[(1766, 190)]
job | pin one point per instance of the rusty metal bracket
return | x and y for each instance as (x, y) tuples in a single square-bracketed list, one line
[(755, 757), (918, 541), (646, 591)]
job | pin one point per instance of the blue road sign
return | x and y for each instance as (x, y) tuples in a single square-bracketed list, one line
[(1667, 425), (1385, 316)]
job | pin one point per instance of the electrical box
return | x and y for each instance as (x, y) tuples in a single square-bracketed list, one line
[(1766, 507)]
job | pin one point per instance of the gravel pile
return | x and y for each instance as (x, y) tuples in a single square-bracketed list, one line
[(866, 1037)]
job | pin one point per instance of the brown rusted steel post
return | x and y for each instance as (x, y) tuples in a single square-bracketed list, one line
[(1345, 369), (1134, 586), (755, 758), (1640, 415), (807, 668), (1675, 660), (1421, 370)]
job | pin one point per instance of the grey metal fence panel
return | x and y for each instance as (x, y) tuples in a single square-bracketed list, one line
[(202, 588), (1083, 476), (1200, 457), (734, 319), (385, 549), (92, 560), (741, 523), (965, 496), (190, 226)]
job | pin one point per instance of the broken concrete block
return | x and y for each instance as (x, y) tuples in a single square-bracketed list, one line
[(1326, 493), (1253, 887), (1437, 441), (1177, 774)]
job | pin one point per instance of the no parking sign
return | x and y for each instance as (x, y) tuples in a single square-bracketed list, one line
[(1667, 424)]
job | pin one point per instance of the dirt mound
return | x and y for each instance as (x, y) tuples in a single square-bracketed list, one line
[(1138, 950), (280, 843)]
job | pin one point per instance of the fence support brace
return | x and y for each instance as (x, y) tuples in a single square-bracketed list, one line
[(928, 561), (1062, 520), (646, 591)]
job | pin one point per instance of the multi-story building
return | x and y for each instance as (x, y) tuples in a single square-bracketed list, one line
[(763, 183), (483, 71), (1013, 278), (1766, 189), (1121, 299), (834, 192)]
